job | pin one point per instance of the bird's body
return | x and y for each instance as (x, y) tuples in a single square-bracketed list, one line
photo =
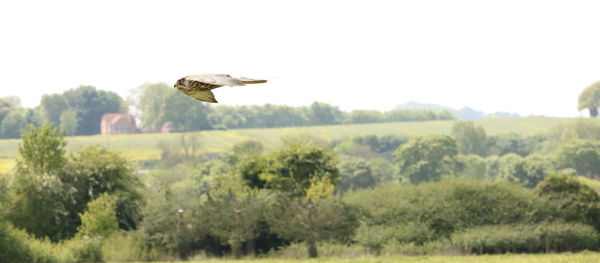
[(199, 86)]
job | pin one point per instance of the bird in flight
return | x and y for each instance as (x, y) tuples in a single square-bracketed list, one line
[(199, 86)]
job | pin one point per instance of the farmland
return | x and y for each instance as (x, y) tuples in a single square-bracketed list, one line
[(138, 147)]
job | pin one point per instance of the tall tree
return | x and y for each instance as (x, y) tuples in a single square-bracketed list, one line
[(38, 196), (68, 122), (148, 99), (13, 124), (470, 139), (52, 106), (590, 99), (7, 105)]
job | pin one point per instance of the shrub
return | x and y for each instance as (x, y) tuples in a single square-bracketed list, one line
[(84, 249), (527, 238), (17, 246), (123, 246)]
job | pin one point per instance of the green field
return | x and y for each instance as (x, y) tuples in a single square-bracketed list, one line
[(144, 146), (510, 258)]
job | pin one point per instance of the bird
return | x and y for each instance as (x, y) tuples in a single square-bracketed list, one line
[(198, 86)]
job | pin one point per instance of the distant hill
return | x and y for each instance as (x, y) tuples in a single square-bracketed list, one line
[(465, 113)]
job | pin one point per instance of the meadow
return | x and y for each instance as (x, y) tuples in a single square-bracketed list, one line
[(585, 257), (140, 147)]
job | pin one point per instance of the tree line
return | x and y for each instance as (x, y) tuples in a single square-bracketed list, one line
[(79, 112), (390, 194)]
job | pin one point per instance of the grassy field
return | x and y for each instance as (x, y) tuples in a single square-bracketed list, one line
[(144, 146), (510, 258)]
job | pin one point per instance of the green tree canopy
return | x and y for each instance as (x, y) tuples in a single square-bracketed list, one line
[(320, 113), (39, 198), (52, 106), (91, 104), (50, 188), (581, 155), (148, 99), (184, 113), (470, 139), (100, 218), (13, 124), (314, 221), (296, 163), (427, 158), (590, 99), (573, 200)]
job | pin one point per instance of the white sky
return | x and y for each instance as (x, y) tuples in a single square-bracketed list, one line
[(530, 57)]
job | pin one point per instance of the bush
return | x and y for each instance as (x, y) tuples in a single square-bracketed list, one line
[(84, 249), (327, 250), (17, 246), (124, 246), (527, 238), (395, 248)]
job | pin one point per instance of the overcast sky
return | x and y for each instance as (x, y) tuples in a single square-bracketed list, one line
[(530, 57)]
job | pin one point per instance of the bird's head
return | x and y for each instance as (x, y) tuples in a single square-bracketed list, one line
[(179, 82)]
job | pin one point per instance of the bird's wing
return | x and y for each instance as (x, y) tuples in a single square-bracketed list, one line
[(202, 95), (216, 79), (251, 81)]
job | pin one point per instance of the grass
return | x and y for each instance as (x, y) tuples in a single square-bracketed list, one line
[(584, 257), (144, 146)]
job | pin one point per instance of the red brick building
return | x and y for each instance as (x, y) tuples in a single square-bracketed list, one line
[(118, 123)]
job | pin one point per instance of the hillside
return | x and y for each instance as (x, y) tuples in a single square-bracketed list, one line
[(144, 146)]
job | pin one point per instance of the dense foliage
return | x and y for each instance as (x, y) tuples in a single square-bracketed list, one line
[(395, 194)]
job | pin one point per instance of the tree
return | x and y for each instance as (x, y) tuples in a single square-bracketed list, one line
[(527, 171), (100, 218), (68, 122), (590, 99), (581, 155), (38, 195), (91, 104), (42, 150), (324, 114), (314, 220), (94, 171), (52, 106), (185, 113), (296, 163), (7, 105), (148, 99), (470, 139), (365, 116), (234, 217), (573, 200), (356, 174), (427, 158), (13, 124)]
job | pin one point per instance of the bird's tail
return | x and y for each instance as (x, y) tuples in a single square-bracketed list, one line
[(252, 81)]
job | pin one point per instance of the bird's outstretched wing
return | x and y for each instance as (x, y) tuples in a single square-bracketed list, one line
[(201, 95), (216, 79)]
